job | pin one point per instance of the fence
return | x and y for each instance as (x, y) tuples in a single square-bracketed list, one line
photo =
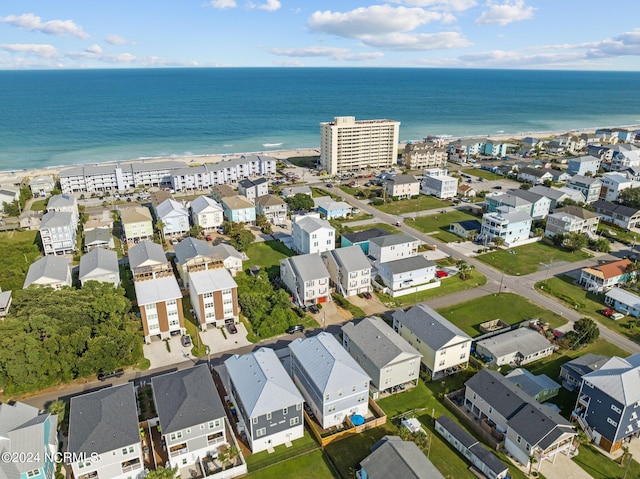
[(477, 427)]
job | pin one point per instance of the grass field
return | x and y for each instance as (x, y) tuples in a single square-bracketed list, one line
[(39, 205), (313, 465), (448, 286), (19, 250), (487, 175), (263, 459), (508, 307), (304, 161), (601, 467), (530, 258), (382, 226), (267, 255), (438, 225), (412, 205)]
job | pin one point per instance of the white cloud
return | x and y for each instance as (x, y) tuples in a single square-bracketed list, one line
[(625, 44), (129, 59), (269, 5), (114, 39), (417, 41), (37, 50), (506, 13), (449, 5), (223, 4), (32, 22), (373, 20), (93, 49), (340, 54), (289, 63)]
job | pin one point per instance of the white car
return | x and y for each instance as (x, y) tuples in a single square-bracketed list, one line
[(616, 316)]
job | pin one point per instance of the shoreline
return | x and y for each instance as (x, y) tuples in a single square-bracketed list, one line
[(12, 177)]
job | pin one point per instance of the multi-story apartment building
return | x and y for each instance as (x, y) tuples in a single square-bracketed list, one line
[(306, 278), (589, 187), (348, 145), (421, 155), (174, 217), (583, 165), (58, 233), (214, 297)]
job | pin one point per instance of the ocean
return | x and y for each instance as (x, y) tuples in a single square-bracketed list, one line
[(63, 117)]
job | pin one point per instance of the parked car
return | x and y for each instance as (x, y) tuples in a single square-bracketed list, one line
[(329, 185), (367, 295), (441, 274), (232, 328), (113, 374), (296, 328), (607, 312), (616, 316), (186, 340), (314, 309)]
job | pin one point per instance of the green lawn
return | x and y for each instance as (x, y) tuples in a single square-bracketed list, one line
[(508, 307), (487, 175), (281, 453), (587, 303), (19, 250), (601, 467), (267, 255), (530, 258), (612, 231), (193, 329), (412, 205), (448, 286), (304, 161), (313, 465), (39, 205), (438, 225), (383, 226)]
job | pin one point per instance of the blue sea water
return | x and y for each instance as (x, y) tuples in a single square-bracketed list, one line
[(52, 118)]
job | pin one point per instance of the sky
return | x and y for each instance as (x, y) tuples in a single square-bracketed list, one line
[(518, 34)]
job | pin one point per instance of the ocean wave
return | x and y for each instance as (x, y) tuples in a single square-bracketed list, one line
[(271, 145)]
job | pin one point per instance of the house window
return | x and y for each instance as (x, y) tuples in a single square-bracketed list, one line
[(268, 416), (261, 432), (255, 420), (176, 435), (490, 410), (34, 473), (441, 363), (612, 422), (294, 421), (285, 411), (298, 407), (519, 439), (616, 409)]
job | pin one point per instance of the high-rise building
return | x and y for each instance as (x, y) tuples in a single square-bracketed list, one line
[(348, 145)]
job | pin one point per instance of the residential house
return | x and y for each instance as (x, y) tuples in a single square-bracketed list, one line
[(9, 194), (5, 302), (392, 247), (623, 156), (273, 208), (623, 301), (160, 303), (206, 213), (238, 209), (602, 277), (407, 275), (512, 228), (419, 155), (252, 189), (193, 254), (530, 430), (361, 238), (436, 182), (613, 183), (540, 387), (559, 176), (349, 270), (222, 191), (556, 196), (393, 457), (41, 185), (589, 187), (192, 420), (507, 202), (64, 203), (572, 219), (31, 438), (116, 455), (312, 235), (445, 348), (583, 165), (330, 208), (574, 195), (291, 191), (535, 176), (137, 224), (466, 229), (98, 238), (517, 346), (494, 148), (268, 402), (402, 186), (58, 233), (608, 402), (332, 382), (231, 258), (100, 265), (174, 216), (571, 372), (147, 260), (51, 271), (540, 204), (623, 216), (466, 148), (478, 455), (306, 278), (387, 358), (466, 191), (214, 297)]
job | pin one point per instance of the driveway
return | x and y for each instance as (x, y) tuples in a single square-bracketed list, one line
[(369, 306), (563, 468), (159, 355), (217, 342)]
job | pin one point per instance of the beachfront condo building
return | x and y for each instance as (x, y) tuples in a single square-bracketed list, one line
[(350, 145)]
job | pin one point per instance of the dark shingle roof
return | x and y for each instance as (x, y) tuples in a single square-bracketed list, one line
[(365, 235), (429, 326), (578, 367)]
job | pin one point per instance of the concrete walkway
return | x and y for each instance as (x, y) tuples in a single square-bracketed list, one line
[(563, 468)]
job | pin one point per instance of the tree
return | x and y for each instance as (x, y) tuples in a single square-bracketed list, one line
[(160, 227), (464, 269), (163, 473), (586, 330), (299, 202), (525, 186), (58, 408), (538, 232), (602, 245), (264, 224), (195, 231), (498, 240), (630, 197), (574, 241)]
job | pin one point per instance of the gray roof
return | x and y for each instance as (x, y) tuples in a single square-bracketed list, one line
[(618, 378), (307, 267), (551, 193), (191, 248), (211, 280), (403, 179), (539, 424), (611, 208), (151, 291), (327, 363), (97, 236), (394, 457), (351, 258), (405, 265), (54, 219), (527, 195), (431, 327), (582, 365), (392, 240), (186, 398), (55, 268), (146, 253), (523, 340), (510, 199), (378, 341), (329, 204), (578, 212), (530, 383), (225, 250), (294, 190), (171, 207), (537, 172), (104, 420), (261, 383), (366, 235), (97, 262), (511, 217), (585, 180), (201, 203), (60, 201), (311, 224)]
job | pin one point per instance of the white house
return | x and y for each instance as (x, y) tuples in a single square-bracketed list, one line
[(407, 275), (393, 247), (306, 278), (52, 271), (252, 189), (349, 270), (513, 228), (572, 219), (174, 216), (615, 182), (331, 381), (312, 235), (58, 232), (438, 183), (519, 346), (206, 213), (402, 186), (100, 265)]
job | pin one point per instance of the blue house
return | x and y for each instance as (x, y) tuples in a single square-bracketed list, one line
[(238, 209), (361, 238), (24, 432), (583, 165), (623, 301), (330, 208)]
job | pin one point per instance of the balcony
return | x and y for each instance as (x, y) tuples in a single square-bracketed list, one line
[(584, 400)]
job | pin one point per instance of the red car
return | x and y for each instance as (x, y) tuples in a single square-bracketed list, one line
[(367, 295), (441, 274), (209, 238), (607, 312)]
